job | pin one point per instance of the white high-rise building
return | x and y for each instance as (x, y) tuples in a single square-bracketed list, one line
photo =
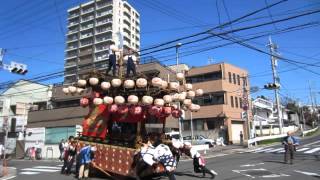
[(92, 27)]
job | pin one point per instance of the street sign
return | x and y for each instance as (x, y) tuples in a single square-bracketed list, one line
[(244, 115)]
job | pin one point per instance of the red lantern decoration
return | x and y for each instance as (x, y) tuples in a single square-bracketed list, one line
[(176, 113), (167, 111), (123, 109), (113, 108), (84, 102), (135, 110)]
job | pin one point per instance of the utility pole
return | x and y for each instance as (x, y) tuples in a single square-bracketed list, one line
[(245, 107), (178, 45), (276, 79), (312, 104)]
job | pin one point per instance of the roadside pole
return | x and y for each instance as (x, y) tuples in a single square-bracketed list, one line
[(245, 107)]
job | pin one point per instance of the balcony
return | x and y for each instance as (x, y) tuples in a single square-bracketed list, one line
[(71, 16), (71, 56), (101, 48), (87, 11), (70, 32), (102, 57), (263, 104), (84, 36), (104, 30), (83, 28), (106, 21), (70, 40), (126, 20), (103, 39), (104, 13), (126, 27), (86, 44), (74, 23), (85, 52), (70, 64), (87, 19), (71, 48), (103, 5)]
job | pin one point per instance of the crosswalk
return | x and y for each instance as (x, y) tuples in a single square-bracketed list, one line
[(40, 169), (304, 150)]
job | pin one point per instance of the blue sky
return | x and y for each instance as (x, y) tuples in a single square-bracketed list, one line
[(33, 32)]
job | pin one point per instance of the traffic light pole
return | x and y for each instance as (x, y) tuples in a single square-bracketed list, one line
[(275, 81)]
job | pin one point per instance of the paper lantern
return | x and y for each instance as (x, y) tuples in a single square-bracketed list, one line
[(174, 106), (113, 108), (134, 58), (184, 107), (72, 89), (82, 83), (187, 102), (65, 90), (84, 102), (175, 97), (194, 107), (182, 97), (123, 109), (107, 100), (167, 98), (176, 113), (191, 94), (159, 102), (167, 110), (188, 86), (93, 81), (113, 48), (180, 76), (155, 110), (97, 101), (80, 90), (116, 82), (199, 92), (174, 86), (135, 110), (147, 100), (133, 99), (141, 83), (156, 82), (119, 100), (105, 86), (164, 85), (129, 84)]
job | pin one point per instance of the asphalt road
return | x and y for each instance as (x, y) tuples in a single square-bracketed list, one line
[(262, 163)]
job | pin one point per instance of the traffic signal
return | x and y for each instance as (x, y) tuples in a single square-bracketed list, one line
[(244, 115), (18, 68), (272, 86)]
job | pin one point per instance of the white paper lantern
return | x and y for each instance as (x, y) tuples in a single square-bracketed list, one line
[(119, 100), (82, 83), (167, 98), (182, 97), (180, 76), (107, 100), (191, 94), (184, 107), (141, 83), (174, 86), (159, 102), (188, 86), (105, 86), (194, 107), (93, 81), (184, 93), (164, 85), (157, 82), (97, 101), (133, 99), (116, 82), (147, 100), (174, 106), (175, 97), (65, 90), (187, 102), (199, 92), (113, 48), (80, 90), (72, 89), (129, 84)]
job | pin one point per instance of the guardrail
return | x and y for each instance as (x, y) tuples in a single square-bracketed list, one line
[(309, 131), (257, 139)]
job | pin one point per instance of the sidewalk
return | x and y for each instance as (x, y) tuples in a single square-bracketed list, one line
[(11, 173)]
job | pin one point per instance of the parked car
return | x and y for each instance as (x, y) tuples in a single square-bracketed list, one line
[(199, 140), (172, 135)]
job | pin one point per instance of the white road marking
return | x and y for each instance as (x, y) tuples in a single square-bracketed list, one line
[(316, 142), (312, 150), (10, 177), (46, 167), (308, 173), (251, 165), (60, 165), (275, 175), (274, 150), (282, 151), (263, 150), (40, 170), (302, 149), (29, 173), (207, 157)]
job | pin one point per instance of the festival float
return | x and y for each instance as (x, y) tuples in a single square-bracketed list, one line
[(120, 110)]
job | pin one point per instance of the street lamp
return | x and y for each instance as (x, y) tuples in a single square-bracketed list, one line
[(178, 45)]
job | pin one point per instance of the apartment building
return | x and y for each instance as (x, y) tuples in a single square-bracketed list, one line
[(92, 27), (222, 102)]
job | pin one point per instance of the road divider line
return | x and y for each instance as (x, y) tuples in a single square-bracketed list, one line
[(40, 170)]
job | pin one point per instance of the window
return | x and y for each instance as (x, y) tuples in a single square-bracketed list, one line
[(236, 101), (234, 78), (210, 99), (240, 101), (1, 106), (198, 124), (230, 78), (54, 135), (238, 77), (205, 77), (231, 99), (245, 81)]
